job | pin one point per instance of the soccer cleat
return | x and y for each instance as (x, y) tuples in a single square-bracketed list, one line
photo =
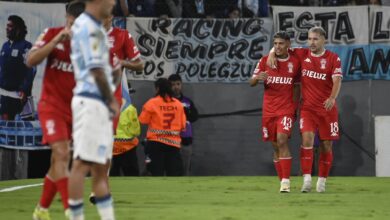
[(306, 187), (92, 198), (41, 214), (285, 186), (321, 184), (67, 213)]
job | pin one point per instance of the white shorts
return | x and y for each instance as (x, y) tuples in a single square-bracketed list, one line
[(92, 130)]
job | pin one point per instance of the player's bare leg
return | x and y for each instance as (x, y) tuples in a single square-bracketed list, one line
[(325, 164), (285, 161), (56, 179), (92, 197), (100, 187), (307, 159), (278, 168), (76, 188)]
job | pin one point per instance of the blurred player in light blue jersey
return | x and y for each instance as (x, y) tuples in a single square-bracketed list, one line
[(93, 107)]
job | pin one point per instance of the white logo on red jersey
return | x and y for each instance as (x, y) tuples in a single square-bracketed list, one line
[(290, 67), (61, 65), (60, 46), (50, 127), (313, 74), (265, 132), (323, 63), (307, 60), (279, 80), (301, 123)]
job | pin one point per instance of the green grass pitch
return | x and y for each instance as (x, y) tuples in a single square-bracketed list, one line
[(220, 198)]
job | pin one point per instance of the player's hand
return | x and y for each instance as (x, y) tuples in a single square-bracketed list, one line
[(114, 108), (23, 97), (272, 61), (65, 34), (262, 76), (329, 103)]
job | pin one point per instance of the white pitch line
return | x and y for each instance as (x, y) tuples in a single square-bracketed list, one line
[(14, 188)]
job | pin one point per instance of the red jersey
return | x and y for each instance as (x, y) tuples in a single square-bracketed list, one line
[(58, 80), (123, 46), (278, 88), (316, 78)]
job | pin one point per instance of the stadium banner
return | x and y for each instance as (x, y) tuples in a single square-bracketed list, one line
[(200, 50), (358, 34)]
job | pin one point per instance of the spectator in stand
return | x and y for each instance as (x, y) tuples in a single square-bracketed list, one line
[(263, 8), (249, 8), (290, 2), (234, 12), (199, 8), (120, 11), (168, 8), (334, 2), (141, 8)]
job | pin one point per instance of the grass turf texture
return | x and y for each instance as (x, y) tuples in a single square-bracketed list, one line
[(222, 198)]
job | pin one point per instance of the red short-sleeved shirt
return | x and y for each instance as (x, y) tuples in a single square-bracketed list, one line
[(278, 87), (316, 77)]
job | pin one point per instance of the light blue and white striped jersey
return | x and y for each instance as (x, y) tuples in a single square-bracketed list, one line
[(90, 49)]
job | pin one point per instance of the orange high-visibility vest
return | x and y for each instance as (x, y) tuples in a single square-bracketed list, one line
[(165, 120)]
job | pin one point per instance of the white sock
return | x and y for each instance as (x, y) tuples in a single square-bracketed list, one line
[(105, 207), (76, 209), (322, 179), (285, 180), (306, 177)]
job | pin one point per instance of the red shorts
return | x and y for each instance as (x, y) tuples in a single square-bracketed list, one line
[(279, 124), (56, 126), (327, 124)]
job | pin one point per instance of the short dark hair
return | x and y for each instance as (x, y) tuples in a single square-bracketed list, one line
[(282, 35), (19, 24), (174, 77), (75, 8)]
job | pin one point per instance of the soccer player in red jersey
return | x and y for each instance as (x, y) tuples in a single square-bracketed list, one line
[(54, 106), (123, 46), (281, 94), (321, 82)]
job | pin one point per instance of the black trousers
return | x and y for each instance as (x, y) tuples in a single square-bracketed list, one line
[(9, 107), (165, 159), (127, 163)]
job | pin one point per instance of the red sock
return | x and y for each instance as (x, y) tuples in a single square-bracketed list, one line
[(48, 193), (62, 186), (285, 164), (306, 159), (325, 163), (278, 169)]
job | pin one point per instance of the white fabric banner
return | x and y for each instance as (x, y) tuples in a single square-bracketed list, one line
[(200, 50), (345, 25)]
